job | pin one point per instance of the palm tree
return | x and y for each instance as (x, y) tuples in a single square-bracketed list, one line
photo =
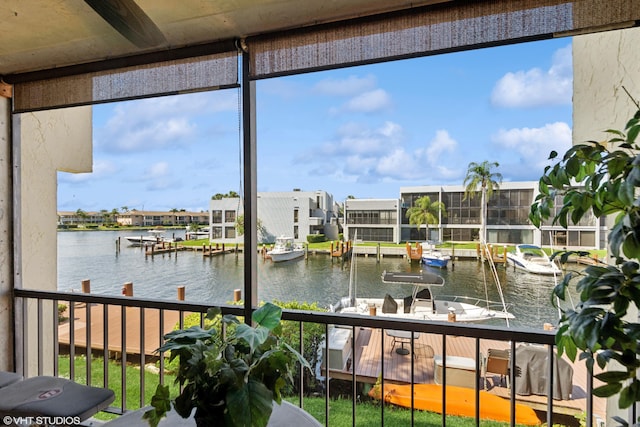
[(479, 174), (174, 211), (82, 215), (114, 215), (424, 211)]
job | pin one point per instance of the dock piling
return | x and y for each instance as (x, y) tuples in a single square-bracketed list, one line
[(127, 289)]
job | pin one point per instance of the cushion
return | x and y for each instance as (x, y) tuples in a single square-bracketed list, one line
[(53, 397), (389, 305), (8, 378)]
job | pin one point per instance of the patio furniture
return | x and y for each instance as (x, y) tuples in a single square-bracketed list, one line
[(284, 415), (402, 337), (53, 397), (497, 362), (533, 361), (8, 378), (461, 371)]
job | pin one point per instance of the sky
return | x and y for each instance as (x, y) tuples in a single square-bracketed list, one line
[(361, 131)]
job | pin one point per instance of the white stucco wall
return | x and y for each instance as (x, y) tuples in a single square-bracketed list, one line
[(48, 141), (602, 64)]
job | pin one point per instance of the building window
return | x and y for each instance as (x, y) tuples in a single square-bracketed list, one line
[(229, 216), (229, 232), (372, 217), (295, 231), (216, 217), (216, 232), (562, 238), (296, 215), (371, 234)]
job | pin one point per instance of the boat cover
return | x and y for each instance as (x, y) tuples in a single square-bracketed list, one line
[(534, 365)]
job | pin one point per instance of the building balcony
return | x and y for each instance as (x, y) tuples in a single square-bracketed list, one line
[(362, 350), (315, 221)]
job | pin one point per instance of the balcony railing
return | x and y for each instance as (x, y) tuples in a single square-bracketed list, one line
[(128, 329)]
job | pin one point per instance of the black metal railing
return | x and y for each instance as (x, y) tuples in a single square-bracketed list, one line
[(44, 314)]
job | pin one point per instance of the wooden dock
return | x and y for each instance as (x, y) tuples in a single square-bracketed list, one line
[(492, 252), (152, 329), (218, 249), (414, 253), (397, 368), (341, 250)]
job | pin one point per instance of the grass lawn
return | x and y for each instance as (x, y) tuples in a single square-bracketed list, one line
[(114, 368), (340, 410), (368, 413)]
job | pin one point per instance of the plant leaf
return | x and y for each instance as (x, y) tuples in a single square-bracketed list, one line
[(250, 405)]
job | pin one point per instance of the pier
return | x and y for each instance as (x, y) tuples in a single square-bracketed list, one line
[(492, 252), (342, 250)]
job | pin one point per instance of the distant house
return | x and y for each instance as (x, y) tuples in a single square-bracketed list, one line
[(153, 218), (290, 213), (66, 218)]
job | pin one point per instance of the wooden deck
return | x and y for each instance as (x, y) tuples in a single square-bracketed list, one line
[(370, 361), (152, 332), (397, 368)]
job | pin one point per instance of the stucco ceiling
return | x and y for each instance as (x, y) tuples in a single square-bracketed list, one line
[(43, 34)]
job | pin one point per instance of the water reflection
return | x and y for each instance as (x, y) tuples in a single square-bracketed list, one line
[(92, 255)]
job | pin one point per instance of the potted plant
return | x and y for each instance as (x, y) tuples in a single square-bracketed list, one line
[(229, 380)]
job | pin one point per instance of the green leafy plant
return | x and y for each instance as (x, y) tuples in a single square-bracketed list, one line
[(230, 380), (603, 178)]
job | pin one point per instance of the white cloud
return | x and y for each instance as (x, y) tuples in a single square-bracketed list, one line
[(157, 170), (535, 87), (533, 145), (349, 86), (369, 102), (159, 176), (398, 164), (102, 169), (160, 123), (441, 144)]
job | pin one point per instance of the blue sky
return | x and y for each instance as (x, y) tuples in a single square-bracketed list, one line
[(361, 131)]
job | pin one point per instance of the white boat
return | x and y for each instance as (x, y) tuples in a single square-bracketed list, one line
[(152, 237), (533, 259), (422, 304), (285, 249), (433, 257), (201, 233)]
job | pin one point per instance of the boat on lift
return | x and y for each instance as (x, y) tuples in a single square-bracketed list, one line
[(152, 237), (533, 259), (433, 257), (422, 304)]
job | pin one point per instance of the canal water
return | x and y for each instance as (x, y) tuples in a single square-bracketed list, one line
[(93, 255)]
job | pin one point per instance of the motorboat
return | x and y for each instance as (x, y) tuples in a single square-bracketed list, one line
[(533, 259), (152, 237), (200, 233), (422, 304), (433, 257), (285, 249)]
